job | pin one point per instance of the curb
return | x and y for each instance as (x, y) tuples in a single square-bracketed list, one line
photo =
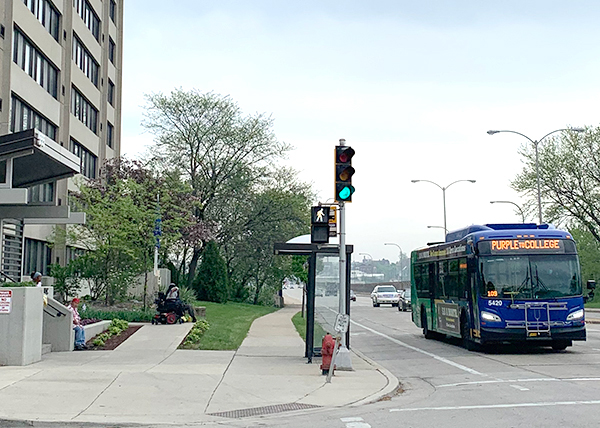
[(392, 385)]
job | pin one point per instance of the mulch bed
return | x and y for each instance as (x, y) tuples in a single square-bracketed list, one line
[(114, 341)]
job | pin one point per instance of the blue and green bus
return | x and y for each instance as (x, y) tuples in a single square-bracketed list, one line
[(500, 283)]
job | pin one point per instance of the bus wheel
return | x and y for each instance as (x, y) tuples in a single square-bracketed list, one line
[(468, 344), (426, 332), (561, 345)]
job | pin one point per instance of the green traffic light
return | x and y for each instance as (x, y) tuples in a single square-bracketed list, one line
[(346, 192)]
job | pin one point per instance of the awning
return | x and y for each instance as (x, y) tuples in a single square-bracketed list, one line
[(36, 159)]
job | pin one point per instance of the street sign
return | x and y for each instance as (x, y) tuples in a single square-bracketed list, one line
[(332, 221), (341, 323), (5, 301)]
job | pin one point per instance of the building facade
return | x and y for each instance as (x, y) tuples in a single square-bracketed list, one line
[(60, 73)]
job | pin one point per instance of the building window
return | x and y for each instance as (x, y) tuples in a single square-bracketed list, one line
[(85, 61), (112, 11), (41, 194), (88, 160), (3, 168), (83, 110), (74, 253), (38, 257), (46, 13), (24, 117), (111, 93), (86, 12), (111, 50), (110, 132), (32, 62)]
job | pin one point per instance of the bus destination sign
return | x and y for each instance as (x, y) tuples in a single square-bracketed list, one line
[(511, 245)]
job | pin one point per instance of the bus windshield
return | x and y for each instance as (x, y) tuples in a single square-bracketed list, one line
[(529, 276)]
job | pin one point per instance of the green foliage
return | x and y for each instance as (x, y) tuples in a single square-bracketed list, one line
[(17, 284), (120, 207), (114, 329), (569, 179), (193, 338), (211, 282), (300, 324), (131, 316), (187, 295), (66, 280)]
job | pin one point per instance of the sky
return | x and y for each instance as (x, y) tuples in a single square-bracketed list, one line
[(412, 86)]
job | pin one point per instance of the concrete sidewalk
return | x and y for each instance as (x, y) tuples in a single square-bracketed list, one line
[(148, 381)]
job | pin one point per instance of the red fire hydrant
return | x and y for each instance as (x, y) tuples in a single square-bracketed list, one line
[(327, 350)]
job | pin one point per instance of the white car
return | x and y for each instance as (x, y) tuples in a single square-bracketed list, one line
[(386, 294)]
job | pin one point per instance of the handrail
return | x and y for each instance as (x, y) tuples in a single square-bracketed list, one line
[(59, 313), (7, 276)]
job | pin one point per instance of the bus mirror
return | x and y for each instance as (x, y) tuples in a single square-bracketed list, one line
[(591, 284)]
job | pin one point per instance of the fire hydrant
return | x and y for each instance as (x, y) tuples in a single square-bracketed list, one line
[(327, 350)]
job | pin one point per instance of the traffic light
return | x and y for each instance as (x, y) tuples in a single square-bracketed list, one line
[(343, 173)]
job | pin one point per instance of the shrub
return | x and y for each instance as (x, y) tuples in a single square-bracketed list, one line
[(196, 333), (131, 316), (115, 328)]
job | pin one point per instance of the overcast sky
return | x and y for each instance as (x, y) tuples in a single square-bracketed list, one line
[(412, 86)]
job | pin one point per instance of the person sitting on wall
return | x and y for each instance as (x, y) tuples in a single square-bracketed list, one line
[(79, 331)]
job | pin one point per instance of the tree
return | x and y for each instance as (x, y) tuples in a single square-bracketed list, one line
[(278, 211), (211, 283), (569, 179), (219, 152), (120, 207)]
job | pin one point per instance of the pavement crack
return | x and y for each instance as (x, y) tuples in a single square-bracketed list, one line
[(17, 381), (220, 382), (98, 396)]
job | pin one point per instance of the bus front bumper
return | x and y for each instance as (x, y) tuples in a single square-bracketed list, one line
[(499, 335)]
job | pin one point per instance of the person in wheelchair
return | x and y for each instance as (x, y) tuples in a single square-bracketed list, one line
[(172, 303)]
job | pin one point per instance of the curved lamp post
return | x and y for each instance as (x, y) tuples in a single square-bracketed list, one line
[(537, 164), (399, 257), (509, 202), (443, 189)]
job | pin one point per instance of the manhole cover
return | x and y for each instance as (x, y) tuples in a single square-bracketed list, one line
[(267, 410)]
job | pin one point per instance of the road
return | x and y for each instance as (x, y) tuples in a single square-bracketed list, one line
[(444, 385)]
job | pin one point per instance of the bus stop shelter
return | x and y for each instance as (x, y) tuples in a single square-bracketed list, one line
[(322, 291)]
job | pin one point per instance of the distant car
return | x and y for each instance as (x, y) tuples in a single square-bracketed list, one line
[(385, 294), (404, 301), (352, 295)]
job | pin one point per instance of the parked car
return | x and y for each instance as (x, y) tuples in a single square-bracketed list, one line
[(352, 295), (404, 301), (385, 294)]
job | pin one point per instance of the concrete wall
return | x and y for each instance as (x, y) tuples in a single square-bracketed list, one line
[(58, 326), (154, 285), (21, 329)]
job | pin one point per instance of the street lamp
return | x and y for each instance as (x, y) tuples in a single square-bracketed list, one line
[(370, 257), (537, 164), (399, 257), (509, 202), (443, 194)]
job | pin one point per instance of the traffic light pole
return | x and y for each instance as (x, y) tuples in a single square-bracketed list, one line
[(343, 360)]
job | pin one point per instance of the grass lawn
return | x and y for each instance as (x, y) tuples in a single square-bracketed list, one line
[(229, 324), (300, 324)]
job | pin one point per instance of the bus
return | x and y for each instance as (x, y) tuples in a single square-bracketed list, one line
[(500, 283)]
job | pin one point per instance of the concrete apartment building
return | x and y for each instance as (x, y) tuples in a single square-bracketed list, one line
[(60, 73)]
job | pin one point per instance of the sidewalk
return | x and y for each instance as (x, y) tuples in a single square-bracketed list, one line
[(148, 381), (592, 315)]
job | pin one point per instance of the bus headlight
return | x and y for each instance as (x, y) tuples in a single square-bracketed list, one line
[(577, 315), (488, 316)]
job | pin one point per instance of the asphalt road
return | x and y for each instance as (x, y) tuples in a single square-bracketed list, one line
[(444, 385)]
